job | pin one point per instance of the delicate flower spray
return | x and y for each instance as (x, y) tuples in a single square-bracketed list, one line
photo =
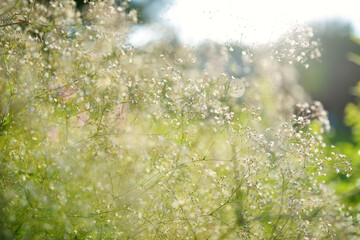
[(146, 144)]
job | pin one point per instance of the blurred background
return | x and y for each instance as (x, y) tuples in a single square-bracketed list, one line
[(242, 25), (330, 79)]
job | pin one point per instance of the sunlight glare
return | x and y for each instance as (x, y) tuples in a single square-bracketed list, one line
[(250, 22)]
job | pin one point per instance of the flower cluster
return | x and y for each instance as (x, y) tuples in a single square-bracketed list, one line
[(100, 140)]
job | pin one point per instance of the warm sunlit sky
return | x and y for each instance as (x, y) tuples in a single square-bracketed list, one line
[(251, 21)]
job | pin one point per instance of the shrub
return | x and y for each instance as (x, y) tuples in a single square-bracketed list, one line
[(99, 140)]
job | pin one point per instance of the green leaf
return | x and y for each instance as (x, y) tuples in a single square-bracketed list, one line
[(10, 88), (355, 39), (6, 121), (354, 58)]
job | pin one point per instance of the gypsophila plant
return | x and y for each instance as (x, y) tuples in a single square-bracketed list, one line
[(102, 141)]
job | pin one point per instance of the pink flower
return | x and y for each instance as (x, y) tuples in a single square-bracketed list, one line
[(82, 119), (66, 93), (53, 134)]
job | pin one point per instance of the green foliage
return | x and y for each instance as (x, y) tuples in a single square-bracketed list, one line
[(99, 140)]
